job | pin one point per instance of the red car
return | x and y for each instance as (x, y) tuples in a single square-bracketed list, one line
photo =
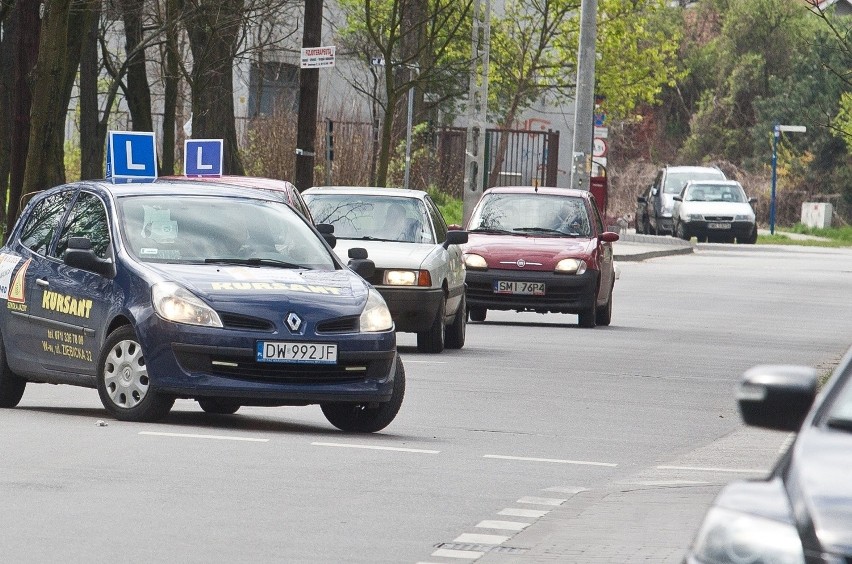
[(281, 188), (539, 249)]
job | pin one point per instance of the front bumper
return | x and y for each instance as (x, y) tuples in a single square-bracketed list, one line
[(738, 229), (195, 362), (413, 310), (564, 293)]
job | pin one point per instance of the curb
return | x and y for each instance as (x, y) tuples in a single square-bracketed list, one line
[(637, 257)]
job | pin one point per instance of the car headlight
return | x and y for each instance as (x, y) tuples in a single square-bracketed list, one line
[(175, 303), (694, 217), (571, 266), (744, 217), (376, 315), (407, 278), (731, 537), (475, 262)]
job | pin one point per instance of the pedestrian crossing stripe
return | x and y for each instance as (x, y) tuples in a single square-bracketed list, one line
[(16, 289)]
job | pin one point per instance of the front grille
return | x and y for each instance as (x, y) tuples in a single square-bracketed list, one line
[(244, 322), (719, 217), (340, 325), (246, 368), (553, 295)]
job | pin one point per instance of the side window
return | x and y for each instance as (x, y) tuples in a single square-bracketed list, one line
[(87, 219), (42, 223), (596, 217), (437, 221)]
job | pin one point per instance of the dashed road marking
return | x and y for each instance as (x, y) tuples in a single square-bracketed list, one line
[(197, 436), (461, 554), (730, 470), (568, 490), (376, 447), (554, 460), (476, 538), (542, 500), (503, 525), (533, 513)]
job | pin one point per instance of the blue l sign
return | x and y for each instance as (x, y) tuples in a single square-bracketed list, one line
[(202, 157), (131, 156)]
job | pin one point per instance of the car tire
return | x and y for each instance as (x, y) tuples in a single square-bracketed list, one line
[(367, 417), (477, 313), (603, 314), (432, 340), (681, 232), (751, 239), (123, 380), (456, 331), (216, 406), (11, 386)]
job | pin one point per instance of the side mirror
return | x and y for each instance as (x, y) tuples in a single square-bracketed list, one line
[(455, 238), (777, 397), (327, 232), (677, 198), (609, 236), (79, 254), (359, 262), (642, 200)]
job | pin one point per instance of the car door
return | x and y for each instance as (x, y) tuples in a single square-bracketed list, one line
[(605, 254), (455, 264), (654, 202)]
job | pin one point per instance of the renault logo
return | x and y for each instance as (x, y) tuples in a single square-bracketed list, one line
[(294, 322)]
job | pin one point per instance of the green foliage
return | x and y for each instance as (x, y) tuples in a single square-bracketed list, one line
[(781, 239), (843, 234), (72, 162), (451, 208)]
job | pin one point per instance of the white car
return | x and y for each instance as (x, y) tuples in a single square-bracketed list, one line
[(714, 210), (419, 267)]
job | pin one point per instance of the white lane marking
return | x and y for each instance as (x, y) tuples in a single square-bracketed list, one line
[(731, 470), (195, 436), (475, 538), (375, 447), (503, 525), (542, 500), (560, 489), (556, 460), (512, 512), (462, 554)]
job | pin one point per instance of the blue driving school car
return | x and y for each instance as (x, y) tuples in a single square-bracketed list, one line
[(165, 290)]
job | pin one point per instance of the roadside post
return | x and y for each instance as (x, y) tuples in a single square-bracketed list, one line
[(776, 135)]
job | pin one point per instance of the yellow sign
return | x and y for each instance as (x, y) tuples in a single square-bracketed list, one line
[(54, 301)]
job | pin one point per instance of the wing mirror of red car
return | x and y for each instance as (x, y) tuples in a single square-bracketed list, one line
[(609, 237)]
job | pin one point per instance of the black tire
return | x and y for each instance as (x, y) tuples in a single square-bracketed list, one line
[(603, 314), (432, 340), (751, 239), (681, 233), (456, 331), (123, 380), (646, 226), (477, 313), (218, 406), (11, 386), (368, 418)]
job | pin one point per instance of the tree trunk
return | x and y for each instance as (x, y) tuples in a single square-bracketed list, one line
[(29, 26), (170, 95), (91, 145), (7, 85), (137, 94), (213, 29)]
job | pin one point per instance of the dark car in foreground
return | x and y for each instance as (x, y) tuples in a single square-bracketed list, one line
[(153, 292), (542, 250), (802, 512)]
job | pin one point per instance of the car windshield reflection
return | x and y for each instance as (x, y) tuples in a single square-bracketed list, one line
[(539, 214)]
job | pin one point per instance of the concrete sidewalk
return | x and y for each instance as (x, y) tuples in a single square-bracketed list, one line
[(633, 247)]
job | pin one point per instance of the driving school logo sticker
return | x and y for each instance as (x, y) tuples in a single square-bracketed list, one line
[(16, 288)]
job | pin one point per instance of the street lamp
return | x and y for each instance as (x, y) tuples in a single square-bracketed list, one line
[(776, 135)]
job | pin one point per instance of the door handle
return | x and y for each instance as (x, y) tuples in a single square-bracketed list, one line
[(42, 282)]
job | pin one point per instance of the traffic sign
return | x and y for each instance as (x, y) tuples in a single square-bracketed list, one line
[(202, 157), (599, 147), (131, 156)]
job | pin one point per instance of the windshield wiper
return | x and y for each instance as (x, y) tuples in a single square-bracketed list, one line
[(254, 261), (366, 238), (489, 230), (840, 423)]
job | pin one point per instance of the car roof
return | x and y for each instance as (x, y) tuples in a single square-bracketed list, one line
[(690, 168), (248, 181), (367, 190), (165, 187), (539, 190), (719, 182)]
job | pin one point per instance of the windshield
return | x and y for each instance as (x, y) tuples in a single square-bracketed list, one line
[(675, 181), (532, 214), (364, 216), (197, 229), (840, 414), (706, 192)]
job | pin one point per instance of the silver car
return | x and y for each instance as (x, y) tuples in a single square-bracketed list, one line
[(419, 267), (716, 210)]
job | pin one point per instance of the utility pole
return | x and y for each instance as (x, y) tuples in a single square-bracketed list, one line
[(306, 128), (584, 99), (477, 106)]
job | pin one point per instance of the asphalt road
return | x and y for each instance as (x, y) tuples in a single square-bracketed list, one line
[(582, 430)]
